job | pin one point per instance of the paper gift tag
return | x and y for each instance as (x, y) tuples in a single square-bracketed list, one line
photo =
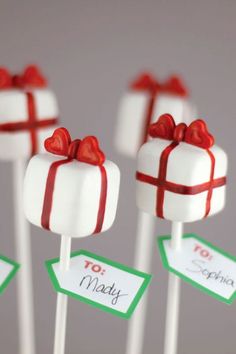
[(201, 264), (97, 281), (8, 269)]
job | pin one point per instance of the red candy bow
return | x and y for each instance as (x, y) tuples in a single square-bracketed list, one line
[(147, 82), (31, 77), (195, 134), (86, 150)]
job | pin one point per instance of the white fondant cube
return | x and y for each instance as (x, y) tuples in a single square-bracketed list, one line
[(131, 123), (187, 166), (14, 109), (76, 195)]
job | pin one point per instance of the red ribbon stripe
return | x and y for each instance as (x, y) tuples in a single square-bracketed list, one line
[(32, 124), (147, 83), (180, 188), (162, 177), (49, 190), (102, 201), (30, 78), (164, 185)]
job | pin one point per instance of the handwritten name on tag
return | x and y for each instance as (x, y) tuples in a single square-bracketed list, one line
[(202, 265), (100, 282), (8, 269)]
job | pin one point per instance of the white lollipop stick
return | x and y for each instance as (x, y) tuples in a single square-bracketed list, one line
[(173, 297), (23, 254), (61, 311), (143, 257), (183, 161), (83, 202)]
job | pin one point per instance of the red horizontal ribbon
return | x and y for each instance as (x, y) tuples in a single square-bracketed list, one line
[(164, 185), (21, 126), (32, 124), (30, 78), (180, 188), (26, 125)]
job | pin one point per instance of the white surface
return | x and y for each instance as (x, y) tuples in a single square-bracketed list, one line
[(13, 108), (131, 123), (209, 272), (187, 165), (62, 300), (121, 286), (132, 113), (143, 258), (173, 297), (76, 195), (23, 254), (173, 105)]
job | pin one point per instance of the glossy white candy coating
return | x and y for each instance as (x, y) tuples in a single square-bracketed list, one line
[(76, 195), (187, 165), (132, 113), (14, 109)]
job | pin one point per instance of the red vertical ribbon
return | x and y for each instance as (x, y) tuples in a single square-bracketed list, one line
[(32, 118), (162, 183), (162, 177), (210, 190), (49, 190), (102, 201), (32, 124)]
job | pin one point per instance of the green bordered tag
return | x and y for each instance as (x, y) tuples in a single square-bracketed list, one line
[(100, 282), (8, 269), (202, 265)]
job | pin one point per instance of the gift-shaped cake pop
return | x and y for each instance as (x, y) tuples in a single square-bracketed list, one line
[(71, 190), (28, 113), (181, 173), (147, 99)]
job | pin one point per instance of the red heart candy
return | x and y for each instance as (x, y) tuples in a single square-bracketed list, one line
[(33, 77), (90, 152), (59, 142), (5, 79), (73, 148), (175, 85), (197, 134), (179, 132), (144, 82), (163, 128)]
